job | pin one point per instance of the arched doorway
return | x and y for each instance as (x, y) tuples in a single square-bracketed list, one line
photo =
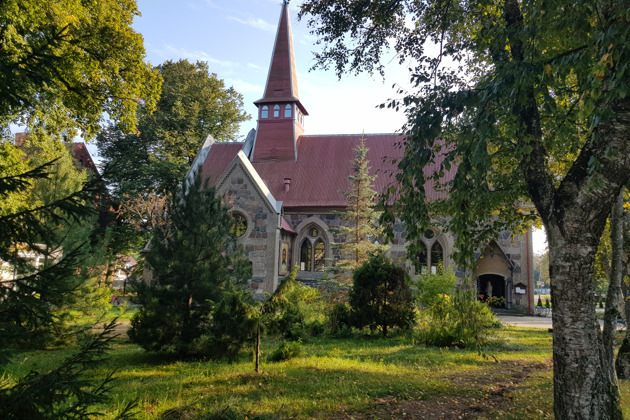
[(491, 285)]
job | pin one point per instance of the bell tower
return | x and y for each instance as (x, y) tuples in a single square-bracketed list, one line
[(280, 112)]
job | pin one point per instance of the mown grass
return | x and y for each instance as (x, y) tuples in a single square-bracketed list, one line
[(331, 377)]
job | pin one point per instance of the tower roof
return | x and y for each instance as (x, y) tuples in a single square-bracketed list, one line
[(282, 83)]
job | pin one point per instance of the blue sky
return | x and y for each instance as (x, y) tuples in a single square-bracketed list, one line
[(236, 38)]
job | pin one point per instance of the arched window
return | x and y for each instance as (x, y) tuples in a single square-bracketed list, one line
[(239, 225), (430, 257), (306, 252), (276, 111), (265, 112), (437, 257), (422, 260), (313, 250), (287, 111), (319, 261)]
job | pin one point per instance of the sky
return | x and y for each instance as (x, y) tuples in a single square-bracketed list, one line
[(236, 38)]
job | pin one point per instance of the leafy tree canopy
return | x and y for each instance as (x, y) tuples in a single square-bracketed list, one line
[(194, 104), (63, 65)]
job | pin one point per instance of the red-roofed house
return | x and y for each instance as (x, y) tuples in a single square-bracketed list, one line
[(285, 185)]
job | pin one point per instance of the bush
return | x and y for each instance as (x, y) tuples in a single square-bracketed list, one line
[(431, 286), (381, 296), (457, 321), (287, 350), (340, 318), (289, 311)]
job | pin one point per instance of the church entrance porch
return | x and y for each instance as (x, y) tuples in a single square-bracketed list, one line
[(491, 288)]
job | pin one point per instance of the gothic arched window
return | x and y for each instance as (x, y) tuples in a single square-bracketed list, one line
[(265, 112), (313, 250), (430, 257)]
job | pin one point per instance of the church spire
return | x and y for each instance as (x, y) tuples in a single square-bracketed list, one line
[(280, 112), (282, 77)]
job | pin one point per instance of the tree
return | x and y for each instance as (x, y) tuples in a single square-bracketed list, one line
[(195, 262), (359, 237), (381, 296), (534, 108), (45, 213), (64, 65), (193, 104)]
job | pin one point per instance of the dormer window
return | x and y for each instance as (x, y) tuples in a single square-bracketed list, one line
[(276, 111), (287, 111), (265, 112)]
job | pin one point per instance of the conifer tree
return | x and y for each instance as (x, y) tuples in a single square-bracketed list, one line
[(195, 262), (357, 240)]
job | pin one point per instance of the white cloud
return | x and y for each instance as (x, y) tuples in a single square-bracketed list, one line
[(255, 23), (174, 53), (242, 86), (254, 66)]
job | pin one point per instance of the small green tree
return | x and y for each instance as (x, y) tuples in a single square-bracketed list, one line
[(195, 263), (381, 296), (359, 239)]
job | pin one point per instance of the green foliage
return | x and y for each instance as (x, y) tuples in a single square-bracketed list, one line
[(66, 392), (340, 320), (195, 264), (194, 103), (234, 322), (430, 287), (48, 215), (287, 350), (381, 296), (65, 65), (539, 302), (357, 241), (286, 311), (459, 320)]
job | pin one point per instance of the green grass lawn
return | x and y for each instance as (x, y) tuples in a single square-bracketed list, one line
[(362, 376)]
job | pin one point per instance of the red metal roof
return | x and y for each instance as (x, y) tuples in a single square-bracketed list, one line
[(322, 169), (218, 159), (323, 166)]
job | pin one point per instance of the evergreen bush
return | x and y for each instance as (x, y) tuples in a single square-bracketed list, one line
[(287, 350), (381, 297), (195, 264)]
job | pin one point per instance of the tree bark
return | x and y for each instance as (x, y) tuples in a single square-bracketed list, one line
[(585, 385), (614, 287)]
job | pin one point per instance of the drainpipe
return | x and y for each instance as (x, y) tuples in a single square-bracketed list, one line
[(510, 286), (529, 285)]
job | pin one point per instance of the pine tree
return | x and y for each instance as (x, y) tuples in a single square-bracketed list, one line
[(45, 226), (358, 240), (381, 296), (195, 262)]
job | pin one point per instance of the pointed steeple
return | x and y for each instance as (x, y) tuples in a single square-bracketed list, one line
[(280, 112)]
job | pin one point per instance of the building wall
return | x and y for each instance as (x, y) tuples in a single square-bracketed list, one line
[(242, 196)]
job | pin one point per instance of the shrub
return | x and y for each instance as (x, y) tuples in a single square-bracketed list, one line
[(340, 317), (539, 301), (287, 350), (431, 286), (289, 310), (381, 296), (457, 321)]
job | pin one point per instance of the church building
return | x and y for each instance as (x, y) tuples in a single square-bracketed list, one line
[(283, 186)]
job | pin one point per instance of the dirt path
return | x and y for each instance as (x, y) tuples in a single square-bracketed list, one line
[(494, 385)]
